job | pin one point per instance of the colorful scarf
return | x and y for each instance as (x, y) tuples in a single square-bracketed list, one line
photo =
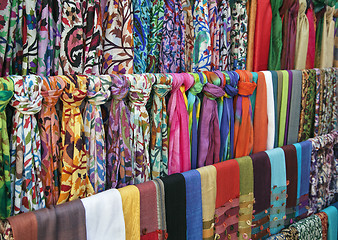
[(98, 93), (243, 127), (251, 7), (189, 34), (6, 93), (332, 214), (311, 49), (161, 217), (283, 107), (119, 166), (5, 12), (224, 38), (202, 44), (270, 110), (172, 55), (275, 100), (51, 90), (118, 44), (302, 37), (159, 127), (27, 191), (327, 43), (213, 22), (288, 107), (179, 146), (74, 178), (320, 81), (324, 221), (309, 228), (140, 87)]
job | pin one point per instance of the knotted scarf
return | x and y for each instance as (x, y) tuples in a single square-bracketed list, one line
[(224, 38), (309, 228), (278, 189), (27, 191), (159, 127), (140, 87), (213, 22), (194, 108), (189, 34), (119, 166), (98, 93), (51, 90), (243, 127), (202, 43), (118, 53), (302, 37), (227, 120), (252, 8), (283, 107), (6, 93), (276, 36), (74, 178), (179, 146), (254, 77), (209, 132), (227, 199)]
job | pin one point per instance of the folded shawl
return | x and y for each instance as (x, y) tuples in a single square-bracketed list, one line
[(24, 226), (332, 214), (309, 228)]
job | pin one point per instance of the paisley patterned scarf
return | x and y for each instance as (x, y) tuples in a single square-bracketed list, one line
[(27, 190), (6, 93), (97, 94), (119, 167), (74, 178), (49, 127)]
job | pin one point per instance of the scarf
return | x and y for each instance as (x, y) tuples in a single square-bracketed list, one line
[(224, 39), (324, 221), (46, 222), (213, 22), (130, 196), (161, 217), (5, 27), (74, 178), (278, 189), (270, 110), (327, 44), (294, 112), (194, 108), (118, 48), (302, 37), (179, 147), (227, 199), (159, 127), (288, 107), (139, 92), (193, 204), (155, 35), (172, 57), (119, 166), (262, 193), (188, 34), (311, 49), (243, 127), (51, 90), (275, 100), (279, 99), (238, 34), (283, 108), (260, 121), (24, 226), (104, 220), (208, 190), (320, 77), (27, 191), (276, 36), (48, 24), (254, 77), (97, 93), (202, 43), (252, 8), (6, 93), (332, 214), (309, 228), (175, 206), (209, 133)]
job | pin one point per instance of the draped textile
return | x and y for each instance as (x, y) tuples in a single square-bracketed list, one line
[(98, 93), (302, 38), (288, 106), (224, 39), (283, 108), (335, 60), (24, 226), (227, 120), (209, 191), (5, 35), (141, 29), (119, 166), (72, 37), (275, 99), (270, 110), (139, 92), (254, 77), (320, 82), (309, 228), (238, 34), (327, 43), (189, 34), (6, 93), (209, 132), (276, 44), (104, 220), (48, 24), (193, 204), (324, 221), (213, 22), (179, 146), (172, 55), (118, 44), (161, 217), (260, 122), (194, 108), (311, 49), (159, 127), (243, 128), (26, 190), (74, 177), (332, 214), (130, 196), (51, 90), (252, 8), (262, 35)]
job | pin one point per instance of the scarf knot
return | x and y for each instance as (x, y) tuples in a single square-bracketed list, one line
[(119, 88), (196, 89), (51, 97), (212, 91), (73, 99), (161, 90), (246, 88), (139, 92), (231, 84), (5, 97), (98, 90)]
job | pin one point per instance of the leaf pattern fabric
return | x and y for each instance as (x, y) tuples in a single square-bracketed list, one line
[(74, 178), (49, 127), (119, 165), (214, 33), (189, 34), (118, 41), (159, 127), (97, 94), (224, 38), (27, 190), (5, 38), (6, 93)]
